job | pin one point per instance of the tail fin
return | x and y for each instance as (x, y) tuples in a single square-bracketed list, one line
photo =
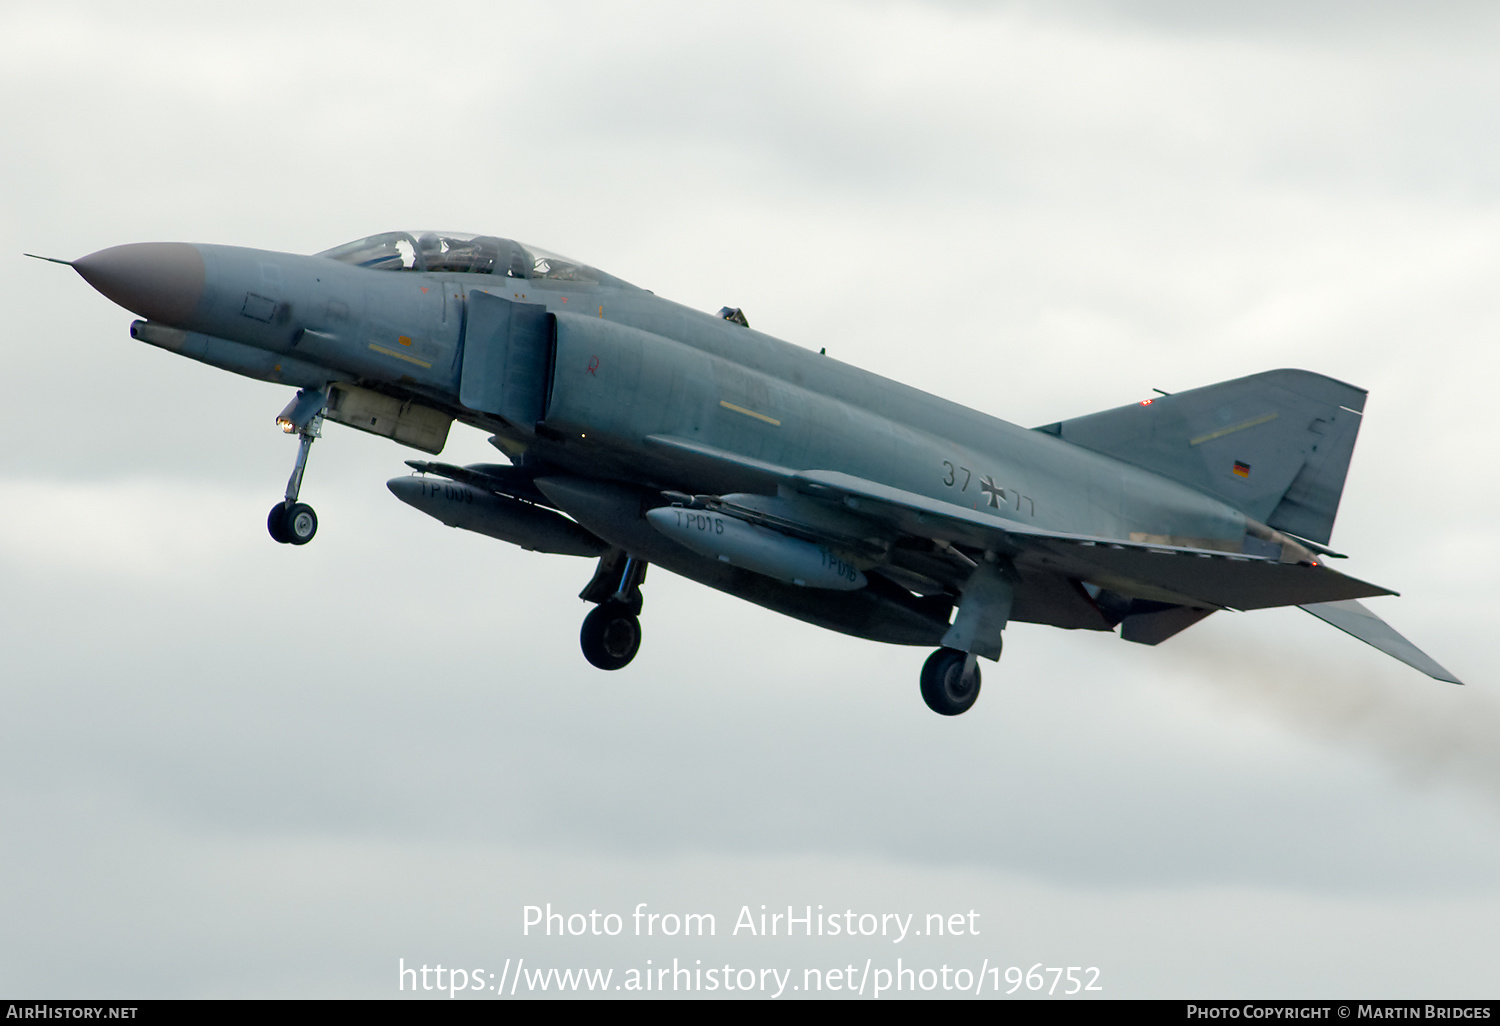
[(1274, 445)]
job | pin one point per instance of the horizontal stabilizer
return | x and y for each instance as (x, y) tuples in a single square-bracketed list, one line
[(1353, 618)]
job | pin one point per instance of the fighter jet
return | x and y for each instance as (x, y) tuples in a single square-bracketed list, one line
[(637, 431)]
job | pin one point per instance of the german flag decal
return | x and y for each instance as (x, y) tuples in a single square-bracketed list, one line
[(1241, 469)]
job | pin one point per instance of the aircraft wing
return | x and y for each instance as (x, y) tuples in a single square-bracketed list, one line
[(1167, 573), (1230, 580)]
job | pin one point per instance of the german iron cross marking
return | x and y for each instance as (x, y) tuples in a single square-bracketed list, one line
[(995, 492)]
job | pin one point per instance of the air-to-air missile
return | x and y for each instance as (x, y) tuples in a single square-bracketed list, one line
[(638, 431)]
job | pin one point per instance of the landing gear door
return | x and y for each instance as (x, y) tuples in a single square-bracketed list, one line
[(507, 359)]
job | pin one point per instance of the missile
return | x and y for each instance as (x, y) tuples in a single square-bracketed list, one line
[(473, 509), (754, 548)]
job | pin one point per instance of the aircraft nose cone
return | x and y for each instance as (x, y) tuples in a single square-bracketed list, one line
[(161, 281)]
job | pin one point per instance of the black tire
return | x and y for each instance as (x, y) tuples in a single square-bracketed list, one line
[(944, 688), (276, 523), (301, 524), (611, 636)]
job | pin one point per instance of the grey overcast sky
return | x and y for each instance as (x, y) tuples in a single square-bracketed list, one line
[(231, 768)]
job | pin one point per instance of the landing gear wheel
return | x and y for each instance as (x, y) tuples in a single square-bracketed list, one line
[(276, 523), (611, 635), (945, 688), (301, 524)]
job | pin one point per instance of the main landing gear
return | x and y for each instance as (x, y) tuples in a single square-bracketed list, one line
[(611, 634), (950, 677), (291, 522), (950, 681)]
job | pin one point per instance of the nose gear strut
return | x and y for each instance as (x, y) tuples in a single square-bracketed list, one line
[(292, 522)]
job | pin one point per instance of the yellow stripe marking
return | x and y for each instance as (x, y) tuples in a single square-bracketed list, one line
[(383, 351), (1231, 430), (750, 413)]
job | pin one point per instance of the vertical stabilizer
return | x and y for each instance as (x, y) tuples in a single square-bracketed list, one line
[(1274, 445)]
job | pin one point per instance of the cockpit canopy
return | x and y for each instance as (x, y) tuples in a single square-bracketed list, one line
[(459, 253)]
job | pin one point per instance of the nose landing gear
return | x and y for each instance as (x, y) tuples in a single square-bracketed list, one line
[(292, 525), (291, 522)]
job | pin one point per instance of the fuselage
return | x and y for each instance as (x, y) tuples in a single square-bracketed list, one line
[(623, 366), (714, 381)]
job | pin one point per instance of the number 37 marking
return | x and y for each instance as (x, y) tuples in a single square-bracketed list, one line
[(951, 478)]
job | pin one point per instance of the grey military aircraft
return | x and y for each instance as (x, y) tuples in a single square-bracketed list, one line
[(638, 432)]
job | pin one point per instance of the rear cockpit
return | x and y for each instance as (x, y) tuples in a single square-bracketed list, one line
[(459, 253)]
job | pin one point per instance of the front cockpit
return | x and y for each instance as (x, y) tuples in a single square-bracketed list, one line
[(460, 253)]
